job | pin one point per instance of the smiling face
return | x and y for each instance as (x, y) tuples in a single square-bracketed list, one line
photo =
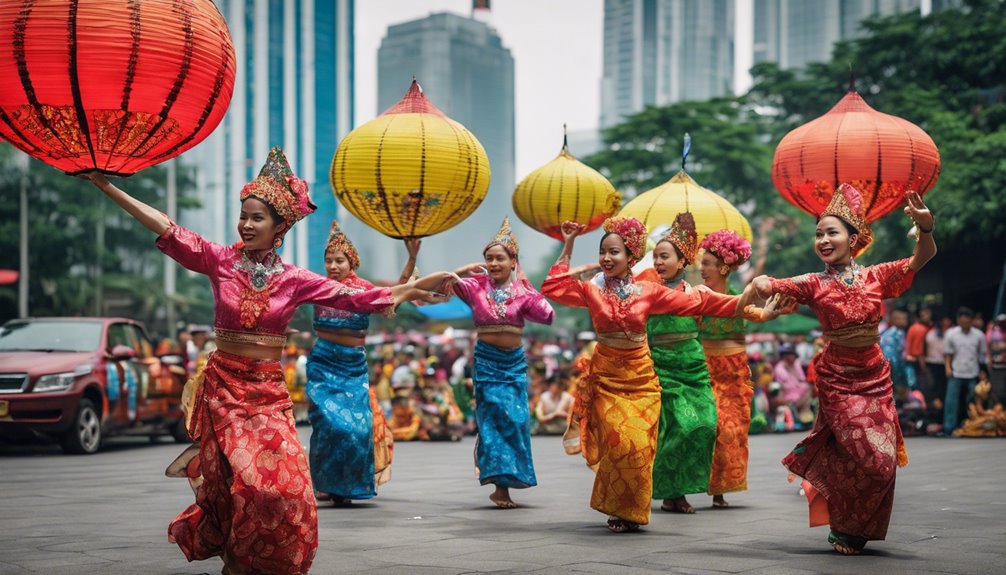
[(337, 264), (613, 257), (712, 267), (257, 226), (666, 261), (499, 263), (832, 242)]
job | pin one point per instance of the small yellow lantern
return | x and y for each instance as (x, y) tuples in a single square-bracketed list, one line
[(412, 171), (659, 206), (564, 189)]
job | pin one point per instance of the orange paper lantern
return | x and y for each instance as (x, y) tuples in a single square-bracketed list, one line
[(882, 155), (115, 87)]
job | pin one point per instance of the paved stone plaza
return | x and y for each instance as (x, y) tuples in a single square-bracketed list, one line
[(108, 514)]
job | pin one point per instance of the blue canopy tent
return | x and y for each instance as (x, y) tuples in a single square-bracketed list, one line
[(447, 311)]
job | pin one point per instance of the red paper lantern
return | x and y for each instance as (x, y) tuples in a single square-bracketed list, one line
[(882, 155), (112, 86)]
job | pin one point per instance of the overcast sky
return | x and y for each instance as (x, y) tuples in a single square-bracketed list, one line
[(556, 46), (557, 50)]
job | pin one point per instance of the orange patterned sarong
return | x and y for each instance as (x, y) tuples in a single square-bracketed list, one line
[(618, 403), (731, 379), (384, 442)]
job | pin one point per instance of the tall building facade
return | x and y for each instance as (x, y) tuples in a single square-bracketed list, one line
[(294, 88), (658, 52), (467, 72), (794, 33)]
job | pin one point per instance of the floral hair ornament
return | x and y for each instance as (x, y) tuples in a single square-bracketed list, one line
[(277, 186), (728, 246), (505, 239), (339, 242), (847, 205), (684, 237), (632, 232)]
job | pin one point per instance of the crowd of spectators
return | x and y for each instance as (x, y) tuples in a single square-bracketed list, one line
[(948, 375)]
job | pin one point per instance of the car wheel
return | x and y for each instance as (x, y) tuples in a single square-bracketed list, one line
[(84, 436), (179, 433)]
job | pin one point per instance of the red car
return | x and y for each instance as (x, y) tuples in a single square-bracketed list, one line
[(79, 380)]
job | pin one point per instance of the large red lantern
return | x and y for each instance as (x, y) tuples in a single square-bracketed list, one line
[(112, 86), (882, 155)]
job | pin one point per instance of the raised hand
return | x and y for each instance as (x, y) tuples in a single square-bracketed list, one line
[(571, 229), (412, 246), (918, 212), (473, 269)]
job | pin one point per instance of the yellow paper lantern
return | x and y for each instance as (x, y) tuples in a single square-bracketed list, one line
[(564, 189), (659, 206), (412, 171)]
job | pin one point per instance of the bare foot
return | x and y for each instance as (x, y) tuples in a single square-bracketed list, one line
[(677, 505), (501, 497), (619, 525), (719, 502), (844, 550), (846, 544), (341, 501), (320, 496)]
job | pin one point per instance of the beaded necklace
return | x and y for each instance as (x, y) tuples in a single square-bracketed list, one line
[(499, 297), (255, 296), (845, 274)]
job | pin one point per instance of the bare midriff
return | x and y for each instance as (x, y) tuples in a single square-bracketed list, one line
[(503, 339), (251, 350), (342, 338)]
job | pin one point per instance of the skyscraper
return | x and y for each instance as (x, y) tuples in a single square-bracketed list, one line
[(467, 72), (658, 52), (793, 33), (294, 88)]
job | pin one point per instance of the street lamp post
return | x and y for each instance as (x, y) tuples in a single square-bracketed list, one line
[(22, 286)]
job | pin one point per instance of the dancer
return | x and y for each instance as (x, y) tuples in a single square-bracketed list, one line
[(351, 445), (618, 401), (727, 360), (848, 461), (254, 502), (502, 300), (688, 410)]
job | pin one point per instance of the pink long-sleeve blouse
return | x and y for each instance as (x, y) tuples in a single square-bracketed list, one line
[(261, 302), (513, 308)]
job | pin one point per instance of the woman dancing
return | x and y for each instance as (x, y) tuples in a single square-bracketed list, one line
[(501, 301), (254, 502), (848, 461), (727, 360), (351, 445), (688, 410), (618, 400)]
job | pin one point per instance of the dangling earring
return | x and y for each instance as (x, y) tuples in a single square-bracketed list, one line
[(277, 243), (724, 272)]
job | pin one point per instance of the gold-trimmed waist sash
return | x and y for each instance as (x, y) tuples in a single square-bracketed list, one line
[(249, 338), (666, 339), (622, 340), (723, 346), (857, 336)]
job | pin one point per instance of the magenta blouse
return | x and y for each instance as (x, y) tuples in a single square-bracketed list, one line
[(511, 309), (240, 307)]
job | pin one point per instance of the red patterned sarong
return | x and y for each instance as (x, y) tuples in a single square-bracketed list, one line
[(851, 455), (254, 504)]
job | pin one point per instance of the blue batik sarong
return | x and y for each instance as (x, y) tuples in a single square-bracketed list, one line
[(342, 436), (503, 448)]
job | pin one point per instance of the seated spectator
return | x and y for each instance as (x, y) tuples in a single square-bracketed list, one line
[(404, 423), (439, 422), (795, 392), (986, 417), (553, 407)]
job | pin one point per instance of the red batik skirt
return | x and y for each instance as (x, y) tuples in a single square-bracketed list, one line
[(254, 504), (850, 457)]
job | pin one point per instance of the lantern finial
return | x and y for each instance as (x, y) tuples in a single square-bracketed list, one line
[(565, 139), (852, 78), (687, 148)]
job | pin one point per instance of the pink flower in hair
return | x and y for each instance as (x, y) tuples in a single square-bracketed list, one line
[(727, 245)]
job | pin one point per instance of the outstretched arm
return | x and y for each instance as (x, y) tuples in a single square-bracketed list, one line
[(925, 247), (151, 218), (412, 246)]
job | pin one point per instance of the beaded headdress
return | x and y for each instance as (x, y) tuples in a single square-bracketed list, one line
[(847, 205), (505, 238), (632, 232), (277, 186), (684, 237), (338, 241), (728, 246)]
